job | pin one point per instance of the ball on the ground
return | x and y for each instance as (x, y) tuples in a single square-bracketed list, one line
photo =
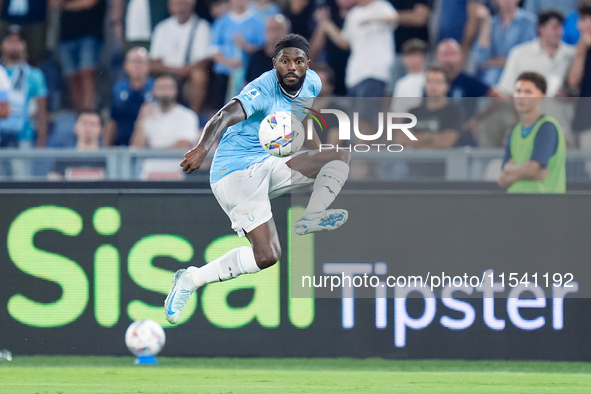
[(145, 338), (281, 134)]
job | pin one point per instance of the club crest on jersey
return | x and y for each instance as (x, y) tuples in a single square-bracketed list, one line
[(249, 215), (251, 94)]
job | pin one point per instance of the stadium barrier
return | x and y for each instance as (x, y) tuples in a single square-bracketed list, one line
[(124, 164), (79, 265)]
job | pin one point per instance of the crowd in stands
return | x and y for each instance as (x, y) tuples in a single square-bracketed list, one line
[(156, 70)]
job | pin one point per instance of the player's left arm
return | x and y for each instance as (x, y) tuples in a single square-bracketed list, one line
[(230, 114)]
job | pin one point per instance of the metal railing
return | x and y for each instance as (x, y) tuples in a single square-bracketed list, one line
[(125, 164)]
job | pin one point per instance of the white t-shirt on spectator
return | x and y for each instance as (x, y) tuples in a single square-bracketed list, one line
[(408, 92), (171, 40), (530, 56), (164, 129), (138, 21), (371, 42)]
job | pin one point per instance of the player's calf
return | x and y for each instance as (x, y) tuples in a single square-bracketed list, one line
[(327, 186), (267, 257), (236, 262)]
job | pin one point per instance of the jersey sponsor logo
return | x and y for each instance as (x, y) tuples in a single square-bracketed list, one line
[(251, 94)]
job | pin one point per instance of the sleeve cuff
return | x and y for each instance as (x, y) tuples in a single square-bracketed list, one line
[(237, 98)]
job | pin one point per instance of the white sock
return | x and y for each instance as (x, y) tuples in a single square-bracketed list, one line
[(328, 184), (234, 263)]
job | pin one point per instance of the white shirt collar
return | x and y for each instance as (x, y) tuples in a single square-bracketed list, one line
[(187, 23), (291, 96), (537, 46)]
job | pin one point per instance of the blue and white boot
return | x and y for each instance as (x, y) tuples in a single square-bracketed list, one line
[(177, 298), (321, 221)]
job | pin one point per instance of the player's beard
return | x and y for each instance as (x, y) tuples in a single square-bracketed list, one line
[(293, 88)]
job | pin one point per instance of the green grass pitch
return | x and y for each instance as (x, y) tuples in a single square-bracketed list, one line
[(62, 374)]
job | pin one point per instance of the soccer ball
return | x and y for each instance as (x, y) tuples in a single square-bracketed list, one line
[(281, 134), (145, 338)]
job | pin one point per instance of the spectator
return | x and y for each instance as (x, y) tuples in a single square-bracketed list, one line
[(218, 8), (535, 157), (368, 32), (547, 55), (31, 16), (439, 121), (264, 9), (450, 56), (262, 60), (464, 88), (28, 89), (413, 24), (81, 35), (62, 130), (179, 47), (408, 91), (88, 130), (6, 139), (235, 36), (128, 96), (498, 34), (165, 124), (335, 57), (300, 14), (571, 24), (458, 20), (133, 21), (579, 78)]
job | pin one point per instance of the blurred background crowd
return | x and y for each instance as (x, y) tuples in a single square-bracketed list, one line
[(87, 74)]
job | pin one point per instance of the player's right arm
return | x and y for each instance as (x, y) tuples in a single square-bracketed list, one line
[(229, 115)]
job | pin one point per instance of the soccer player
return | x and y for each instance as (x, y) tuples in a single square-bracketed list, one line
[(535, 156), (244, 177)]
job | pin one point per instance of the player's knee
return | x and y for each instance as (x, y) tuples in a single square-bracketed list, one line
[(268, 257)]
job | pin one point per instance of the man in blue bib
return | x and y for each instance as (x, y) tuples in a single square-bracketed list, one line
[(244, 177)]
